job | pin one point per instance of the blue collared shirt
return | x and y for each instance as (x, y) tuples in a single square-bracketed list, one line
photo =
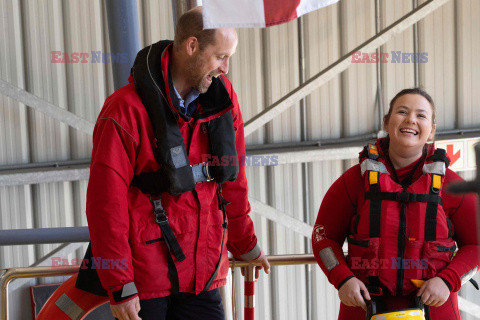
[(189, 102)]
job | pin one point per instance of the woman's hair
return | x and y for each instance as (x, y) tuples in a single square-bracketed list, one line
[(419, 91)]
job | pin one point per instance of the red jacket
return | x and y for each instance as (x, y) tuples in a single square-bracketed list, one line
[(346, 198), (120, 217)]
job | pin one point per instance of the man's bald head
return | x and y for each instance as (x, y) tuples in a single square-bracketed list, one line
[(190, 24)]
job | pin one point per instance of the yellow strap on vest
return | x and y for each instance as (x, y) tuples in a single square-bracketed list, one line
[(437, 181), (373, 177)]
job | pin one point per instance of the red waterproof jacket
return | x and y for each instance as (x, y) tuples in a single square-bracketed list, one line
[(376, 257), (122, 225)]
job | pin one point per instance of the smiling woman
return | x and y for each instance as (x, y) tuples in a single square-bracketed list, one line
[(410, 123), (398, 213)]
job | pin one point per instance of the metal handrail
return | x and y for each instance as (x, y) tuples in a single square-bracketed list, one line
[(33, 272)]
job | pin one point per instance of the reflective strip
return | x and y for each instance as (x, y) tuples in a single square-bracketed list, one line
[(249, 301), (129, 289), (69, 307), (437, 167), (373, 177), (372, 165), (437, 181), (253, 254), (328, 258), (469, 275)]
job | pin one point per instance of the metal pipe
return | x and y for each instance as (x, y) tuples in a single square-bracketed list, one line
[(124, 36), (179, 7), (16, 273), (279, 260), (249, 293), (305, 166), (43, 236)]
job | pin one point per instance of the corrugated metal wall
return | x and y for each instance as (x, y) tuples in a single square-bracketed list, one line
[(265, 67)]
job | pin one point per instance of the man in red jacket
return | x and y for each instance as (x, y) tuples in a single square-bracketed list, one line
[(157, 213)]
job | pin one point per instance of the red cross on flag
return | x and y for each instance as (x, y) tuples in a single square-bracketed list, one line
[(256, 13)]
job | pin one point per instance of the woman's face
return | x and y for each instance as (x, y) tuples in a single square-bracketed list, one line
[(410, 124)]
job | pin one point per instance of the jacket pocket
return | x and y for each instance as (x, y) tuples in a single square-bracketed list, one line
[(363, 257), (437, 255), (414, 264), (213, 250)]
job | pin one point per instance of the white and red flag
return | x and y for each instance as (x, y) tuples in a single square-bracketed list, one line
[(256, 13)]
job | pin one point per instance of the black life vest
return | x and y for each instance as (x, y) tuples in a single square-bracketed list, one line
[(175, 175)]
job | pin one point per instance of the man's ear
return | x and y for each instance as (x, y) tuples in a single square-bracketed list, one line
[(191, 45), (432, 133)]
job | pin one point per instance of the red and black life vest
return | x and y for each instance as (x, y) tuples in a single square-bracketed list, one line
[(400, 231)]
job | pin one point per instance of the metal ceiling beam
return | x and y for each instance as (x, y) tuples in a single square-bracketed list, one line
[(44, 175), (280, 218), (284, 153), (46, 107), (340, 65)]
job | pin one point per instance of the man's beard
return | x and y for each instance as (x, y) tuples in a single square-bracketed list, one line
[(200, 84), (198, 77)]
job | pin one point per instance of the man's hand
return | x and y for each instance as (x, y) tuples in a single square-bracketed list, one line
[(434, 292), (350, 294), (127, 310), (265, 265)]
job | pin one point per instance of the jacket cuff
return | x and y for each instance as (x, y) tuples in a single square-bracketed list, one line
[(127, 292), (252, 254), (451, 279), (339, 275), (343, 281), (449, 286)]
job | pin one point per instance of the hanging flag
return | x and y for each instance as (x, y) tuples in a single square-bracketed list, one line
[(256, 13)]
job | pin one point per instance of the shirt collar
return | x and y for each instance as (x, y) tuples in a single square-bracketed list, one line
[(191, 96)]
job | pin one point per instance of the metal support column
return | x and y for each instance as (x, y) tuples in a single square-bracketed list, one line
[(124, 34)]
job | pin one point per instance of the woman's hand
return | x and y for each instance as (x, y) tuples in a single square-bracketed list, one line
[(350, 294), (434, 292)]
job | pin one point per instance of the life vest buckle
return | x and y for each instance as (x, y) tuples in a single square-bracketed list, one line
[(161, 217), (403, 197), (201, 172)]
